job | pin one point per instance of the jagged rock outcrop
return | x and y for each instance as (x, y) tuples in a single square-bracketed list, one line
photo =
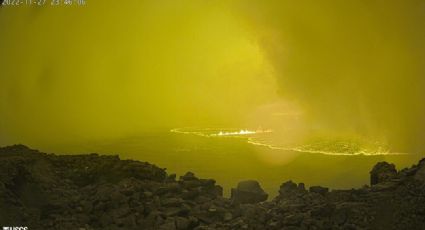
[(46, 191)]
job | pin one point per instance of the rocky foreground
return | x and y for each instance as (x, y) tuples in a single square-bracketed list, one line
[(46, 191)]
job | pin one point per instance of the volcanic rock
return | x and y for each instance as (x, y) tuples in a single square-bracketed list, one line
[(319, 189), (382, 172), (47, 191), (248, 192)]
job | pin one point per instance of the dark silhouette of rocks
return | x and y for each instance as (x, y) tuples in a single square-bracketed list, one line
[(46, 191), (319, 189), (382, 172), (248, 192)]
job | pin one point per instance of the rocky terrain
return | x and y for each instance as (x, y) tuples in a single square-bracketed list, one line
[(46, 191)]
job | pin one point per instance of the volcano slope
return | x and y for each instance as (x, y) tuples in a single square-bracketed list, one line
[(47, 191)]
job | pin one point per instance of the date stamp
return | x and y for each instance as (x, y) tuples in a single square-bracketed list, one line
[(12, 3)]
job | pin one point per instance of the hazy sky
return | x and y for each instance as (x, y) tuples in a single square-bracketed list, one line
[(112, 69)]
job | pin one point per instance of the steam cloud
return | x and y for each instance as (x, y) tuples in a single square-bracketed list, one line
[(357, 67)]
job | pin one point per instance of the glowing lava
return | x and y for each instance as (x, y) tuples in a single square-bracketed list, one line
[(241, 132)]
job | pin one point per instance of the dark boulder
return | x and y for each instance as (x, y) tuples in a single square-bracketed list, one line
[(382, 172), (189, 176), (319, 189), (289, 189), (248, 192)]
